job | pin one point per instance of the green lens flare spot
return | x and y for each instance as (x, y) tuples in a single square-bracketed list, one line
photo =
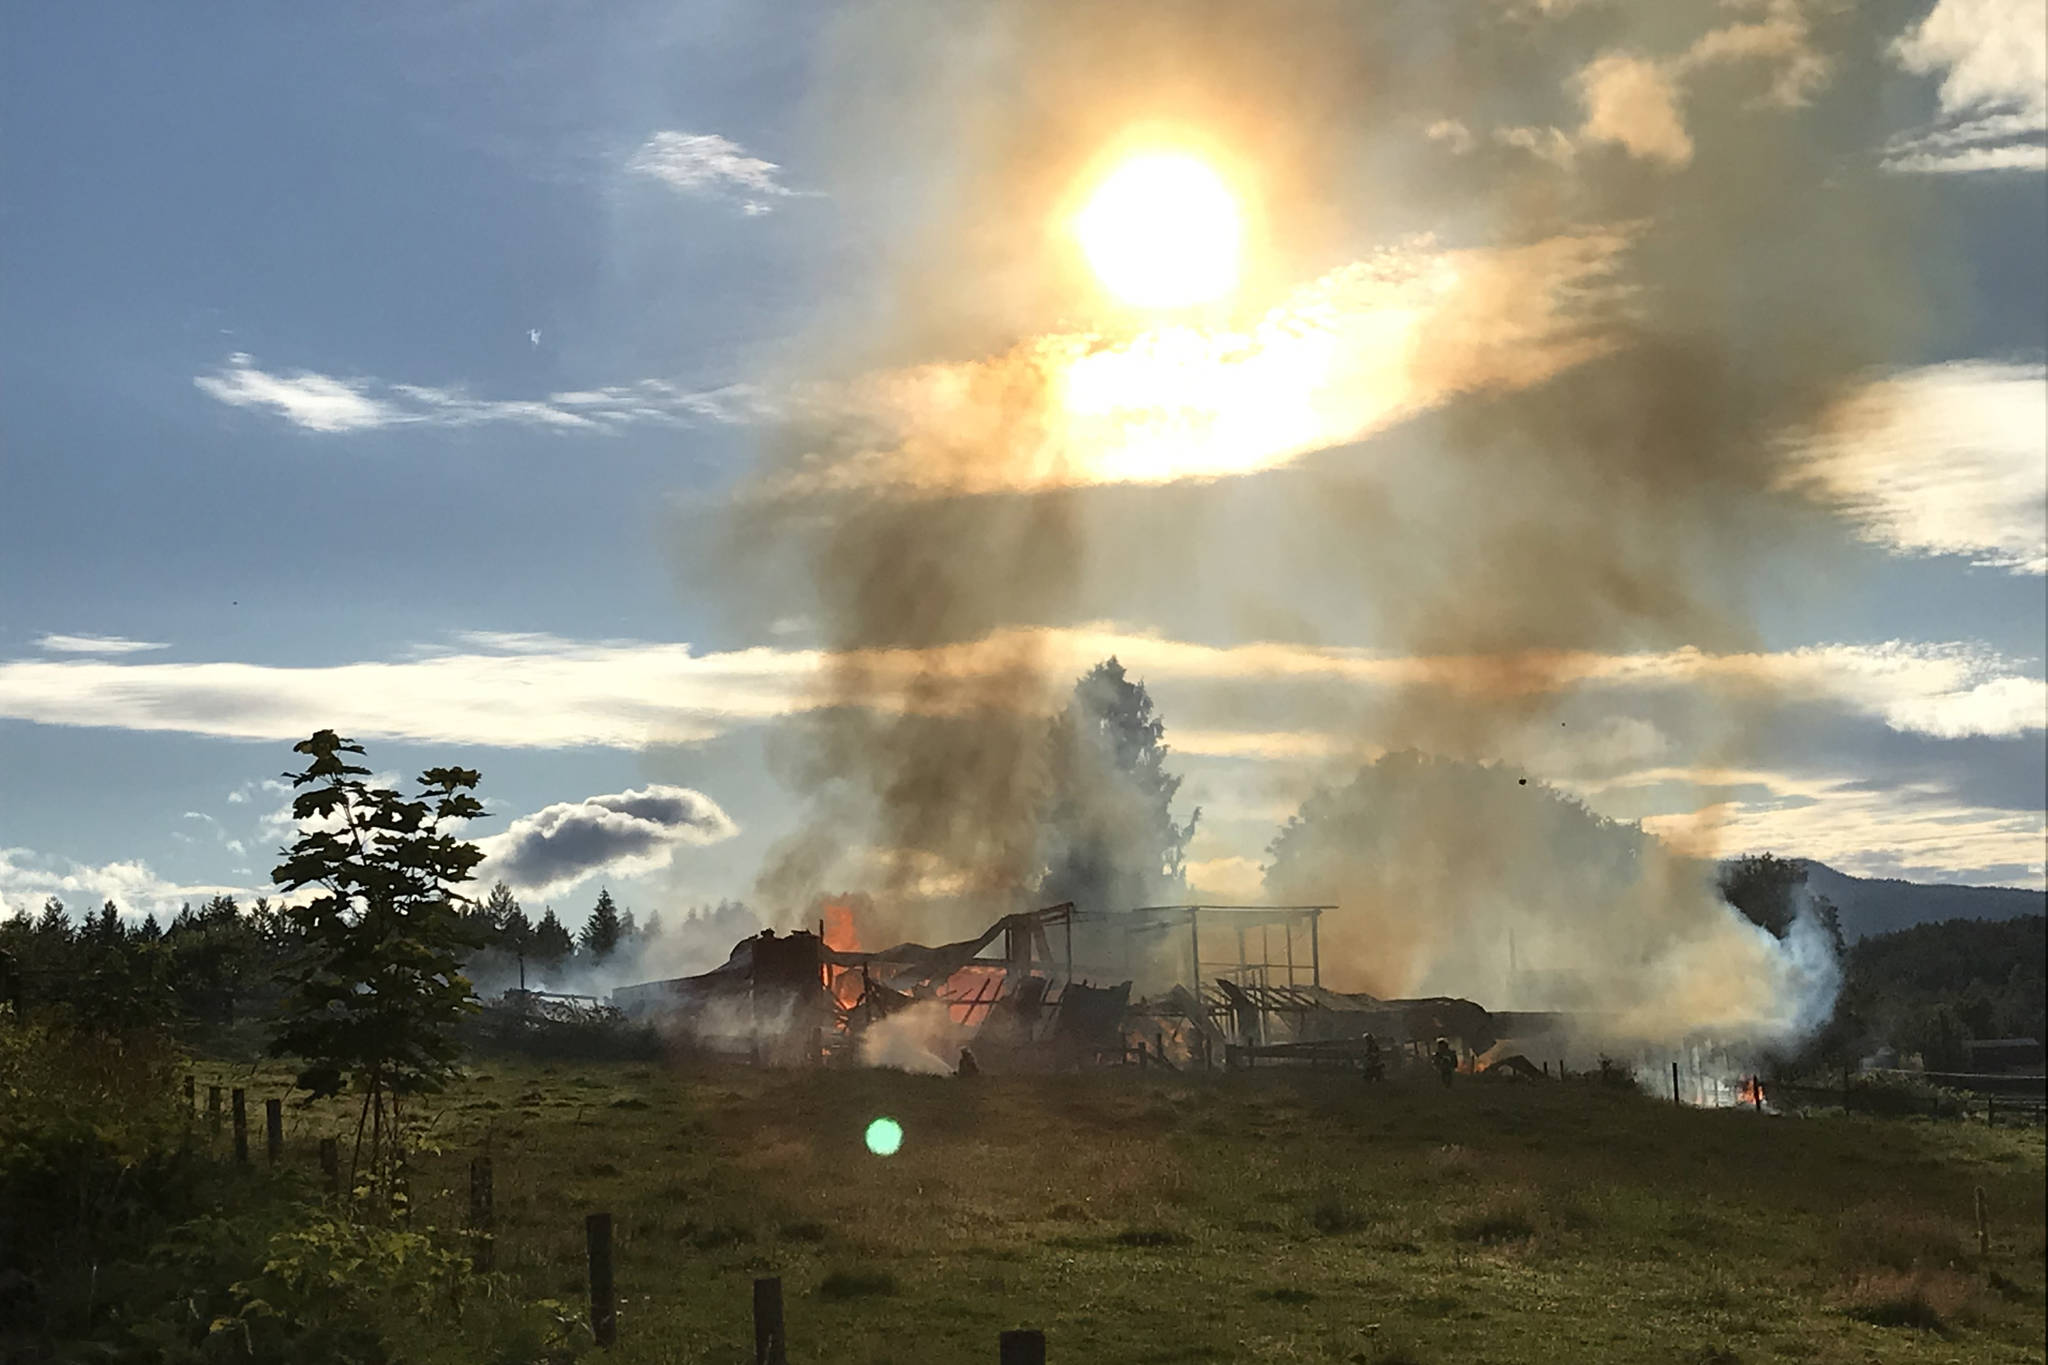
[(885, 1135)]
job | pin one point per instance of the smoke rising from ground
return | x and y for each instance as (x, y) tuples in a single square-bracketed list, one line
[(1619, 491)]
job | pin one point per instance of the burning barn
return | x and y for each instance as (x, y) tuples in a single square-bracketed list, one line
[(1175, 986)]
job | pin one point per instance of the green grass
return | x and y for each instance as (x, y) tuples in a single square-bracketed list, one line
[(1270, 1217)]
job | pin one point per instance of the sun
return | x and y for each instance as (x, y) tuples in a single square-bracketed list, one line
[(1162, 230)]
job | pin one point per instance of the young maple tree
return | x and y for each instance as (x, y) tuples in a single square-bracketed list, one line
[(374, 996)]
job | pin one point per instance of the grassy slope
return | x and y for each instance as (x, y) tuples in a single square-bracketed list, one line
[(1143, 1217)]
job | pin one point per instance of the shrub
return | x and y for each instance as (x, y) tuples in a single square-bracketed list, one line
[(857, 1284), (1332, 1215), (1505, 1223)]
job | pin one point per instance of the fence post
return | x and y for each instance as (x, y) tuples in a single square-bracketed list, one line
[(1674, 1082), (1983, 1228), (240, 1099), (771, 1346), (481, 1220), (604, 1313), (273, 1129), (330, 1164), (1022, 1347)]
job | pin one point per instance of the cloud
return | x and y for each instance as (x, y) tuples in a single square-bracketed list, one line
[(623, 835), (540, 692), (1915, 830), (316, 402), (1407, 329), (1946, 459), (708, 165), (1632, 101), (27, 878), (94, 644), (322, 403), (1992, 58)]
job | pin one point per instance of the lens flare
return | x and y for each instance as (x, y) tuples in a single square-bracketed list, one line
[(1162, 231), (884, 1136)]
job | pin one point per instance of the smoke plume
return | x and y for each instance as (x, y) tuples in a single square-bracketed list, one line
[(1582, 265)]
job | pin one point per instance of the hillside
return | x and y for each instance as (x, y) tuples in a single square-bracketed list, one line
[(1873, 906)]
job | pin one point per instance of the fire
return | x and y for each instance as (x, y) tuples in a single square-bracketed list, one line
[(839, 931), (1750, 1091), (836, 926)]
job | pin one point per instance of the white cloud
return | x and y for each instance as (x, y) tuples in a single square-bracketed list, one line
[(1947, 459), (28, 878), (627, 834), (542, 692), (94, 644), (322, 403), (1633, 101), (1920, 831), (1992, 58), (316, 402), (1366, 345), (709, 165)]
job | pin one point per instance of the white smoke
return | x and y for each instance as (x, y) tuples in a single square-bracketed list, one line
[(918, 1039)]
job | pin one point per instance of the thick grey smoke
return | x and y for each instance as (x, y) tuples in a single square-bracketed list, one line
[(1658, 238)]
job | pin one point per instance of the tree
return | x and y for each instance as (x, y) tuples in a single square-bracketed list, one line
[(551, 941), (1108, 838), (1765, 889), (55, 920), (149, 931), (375, 996), (601, 931)]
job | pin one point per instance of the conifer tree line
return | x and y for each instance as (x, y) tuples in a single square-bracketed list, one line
[(218, 963)]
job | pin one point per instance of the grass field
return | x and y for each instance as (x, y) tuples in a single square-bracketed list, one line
[(1150, 1217)]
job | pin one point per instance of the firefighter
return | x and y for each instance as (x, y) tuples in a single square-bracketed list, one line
[(968, 1068), (1375, 1068), (1446, 1061)]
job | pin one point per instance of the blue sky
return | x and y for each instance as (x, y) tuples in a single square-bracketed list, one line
[(444, 343)]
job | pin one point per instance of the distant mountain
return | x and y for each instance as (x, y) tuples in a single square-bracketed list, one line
[(1872, 906)]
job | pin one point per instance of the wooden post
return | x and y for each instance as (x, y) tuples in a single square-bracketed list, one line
[(330, 1164), (482, 1220), (771, 1346), (213, 1107), (1560, 1068), (1546, 1070), (1674, 1082), (604, 1312), (240, 1100), (1991, 1111), (273, 1130), (1983, 1228), (1022, 1347)]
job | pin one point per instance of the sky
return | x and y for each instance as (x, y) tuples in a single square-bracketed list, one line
[(421, 371)]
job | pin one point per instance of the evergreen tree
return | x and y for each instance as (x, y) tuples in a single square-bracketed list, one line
[(651, 930), (600, 936), (104, 930), (551, 944), (149, 931), (1108, 838), (498, 908), (55, 921)]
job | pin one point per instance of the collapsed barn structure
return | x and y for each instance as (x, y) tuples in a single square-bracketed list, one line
[(1244, 986)]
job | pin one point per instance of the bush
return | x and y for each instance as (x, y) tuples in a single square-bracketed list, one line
[(1895, 1095), (856, 1284)]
